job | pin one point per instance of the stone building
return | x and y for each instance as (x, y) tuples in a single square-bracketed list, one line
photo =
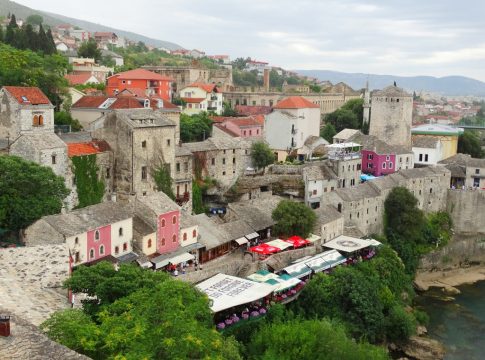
[(183, 176), (142, 141), (329, 224), (345, 161), (391, 116), (363, 205), (465, 171), (433, 143), (318, 179), (222, 158)]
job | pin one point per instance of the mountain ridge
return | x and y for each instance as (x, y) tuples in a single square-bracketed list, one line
[(52, 19), (454, 85)]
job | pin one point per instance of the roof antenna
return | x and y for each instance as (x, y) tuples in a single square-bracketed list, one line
[(395, 83)]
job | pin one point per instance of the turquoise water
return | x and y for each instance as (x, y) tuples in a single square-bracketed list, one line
[(458, 324)]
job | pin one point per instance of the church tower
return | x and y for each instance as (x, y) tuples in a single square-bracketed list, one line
[(366, 106), (392, 115)]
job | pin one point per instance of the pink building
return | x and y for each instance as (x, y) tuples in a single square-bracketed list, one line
[(378, 164), (98, 243), (250, 126), (168, 229)]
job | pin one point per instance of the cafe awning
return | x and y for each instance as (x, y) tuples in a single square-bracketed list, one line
[(252, 236), (375, 243), (241, 241), (297, 241), (298, 270), (264, 249), (164, 260), (326, 260), (347, 244), (181, 258), (280, 244), (313, 238)]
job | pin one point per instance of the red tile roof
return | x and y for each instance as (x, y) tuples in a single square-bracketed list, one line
[(206, 87), (295, 102), (132, 92), (126, 103), (28, 95), (244, 121), (90, 102), (141, 74), (259, 119), (218, 119), (93, 147), (226, 130), (77, 79), (193, 100), (253, 110)]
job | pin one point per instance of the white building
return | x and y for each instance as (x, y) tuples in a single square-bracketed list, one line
[(201, 97), (293, 120)]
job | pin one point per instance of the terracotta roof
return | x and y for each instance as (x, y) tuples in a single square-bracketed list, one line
[(193, 100), (253, 110), (132, 92), (90, 102), (218, 119), (126, 103), (295, 102), (104, 33), (77, 79), (226, 130), (243, 121), (28, 95), (206, 87), (166, 104), (93, 147), (259, 119), (141, 74)]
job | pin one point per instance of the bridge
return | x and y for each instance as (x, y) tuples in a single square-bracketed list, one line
[(470, 127)]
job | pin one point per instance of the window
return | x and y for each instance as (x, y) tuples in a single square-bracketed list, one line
[(41, 120), (194, 233), (400, 159), (35, 120), (143, 172), (91, 254), (163, 241), (174, 220), (314, 192), (407, 160), (244, 132), (125, 246), (77, 258), (185, 237), (477, 171), (383, 165), (391, 165), (233, 160), (163, 222), (369, 166), (53, 159), (430, 190), (223, 173), (96, 235), (213, 161), (108, 173), (149, 245), (420, 157), (120, 231), (177, 167), (257, 131), (359, 167), (117, 250), (370, 156), (174, 238), (143, 144), (168, 142), (76, 241), (388, 158), (223, 161), (186, 166), (101, 250), (426, 157), (250, 132)]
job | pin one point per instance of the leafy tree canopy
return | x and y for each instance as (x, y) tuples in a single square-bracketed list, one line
[(34, 19), (261, 155), (28, 191), (293, 218), (164, 181), (89, 49), (328, 132), (469, 143), (349, 116), (195, 127), (65, 118)]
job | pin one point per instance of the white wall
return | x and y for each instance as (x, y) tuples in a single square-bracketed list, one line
[(127, 237), (80, 247), (433, 155), (190, 239)]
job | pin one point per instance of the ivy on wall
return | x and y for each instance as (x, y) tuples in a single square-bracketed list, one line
[(164, 181), (90, 188)]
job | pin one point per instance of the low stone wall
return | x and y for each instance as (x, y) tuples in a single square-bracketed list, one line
[(286, 169), (466, 210)]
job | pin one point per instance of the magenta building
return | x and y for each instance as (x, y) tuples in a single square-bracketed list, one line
[(378, 164), (168, 231)]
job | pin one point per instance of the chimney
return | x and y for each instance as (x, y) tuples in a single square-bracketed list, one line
[(4, 325), (266, 79)]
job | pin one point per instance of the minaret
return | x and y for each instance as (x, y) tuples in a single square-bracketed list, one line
[(366, 104)]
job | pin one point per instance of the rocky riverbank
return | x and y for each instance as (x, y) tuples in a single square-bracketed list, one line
[(448, 280)]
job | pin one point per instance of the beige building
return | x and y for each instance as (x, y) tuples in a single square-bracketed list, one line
[(201, 97), (329, 224), (466, 171), (183, 176), (391, 116), (142, 141), (346, 162)]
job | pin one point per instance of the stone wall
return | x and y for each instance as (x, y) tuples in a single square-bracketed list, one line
[(466, 209), (41, 233)]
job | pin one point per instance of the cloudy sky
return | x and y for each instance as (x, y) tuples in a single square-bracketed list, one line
[(412, 37)]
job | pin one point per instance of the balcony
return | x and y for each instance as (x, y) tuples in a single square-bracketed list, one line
[(212, 108), (182, 199), (214, 97)]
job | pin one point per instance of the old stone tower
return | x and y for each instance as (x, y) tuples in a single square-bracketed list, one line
[(391, 116)]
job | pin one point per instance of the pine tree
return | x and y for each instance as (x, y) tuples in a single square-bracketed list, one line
[(43, 41), (13, 22), (21, 40), (10, 35), (1, 34), (51, 43), (32, 38)]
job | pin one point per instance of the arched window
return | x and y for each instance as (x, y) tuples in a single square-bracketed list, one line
[(194, 233), (174, 220), (163, 241), (120, 231), (174, 238), (96, 235), (35, 120), (185, 236), (125, 246), (91, 253), (76, 241), (117, 250), (149, 243), (41, 120), (101, 250), (163, 222)]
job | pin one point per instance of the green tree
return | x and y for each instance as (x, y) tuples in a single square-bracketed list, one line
[(89, 49), (65, 118), (315, 88), (228, 110), (51, 45), (89, 184), (195, 127), (28, 191), (198, 206), (342, 119), (34, 19), (469, 143), (328, 132), (32, 38), (164, 181), (293, 218), (43, 41), (11, 30), (308, 340), (261, 155), (1, 34)]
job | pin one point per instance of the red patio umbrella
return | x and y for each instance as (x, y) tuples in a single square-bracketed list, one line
[(264, 249), (297, 241)]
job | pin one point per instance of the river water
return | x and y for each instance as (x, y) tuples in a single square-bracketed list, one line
[(458, 324)]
